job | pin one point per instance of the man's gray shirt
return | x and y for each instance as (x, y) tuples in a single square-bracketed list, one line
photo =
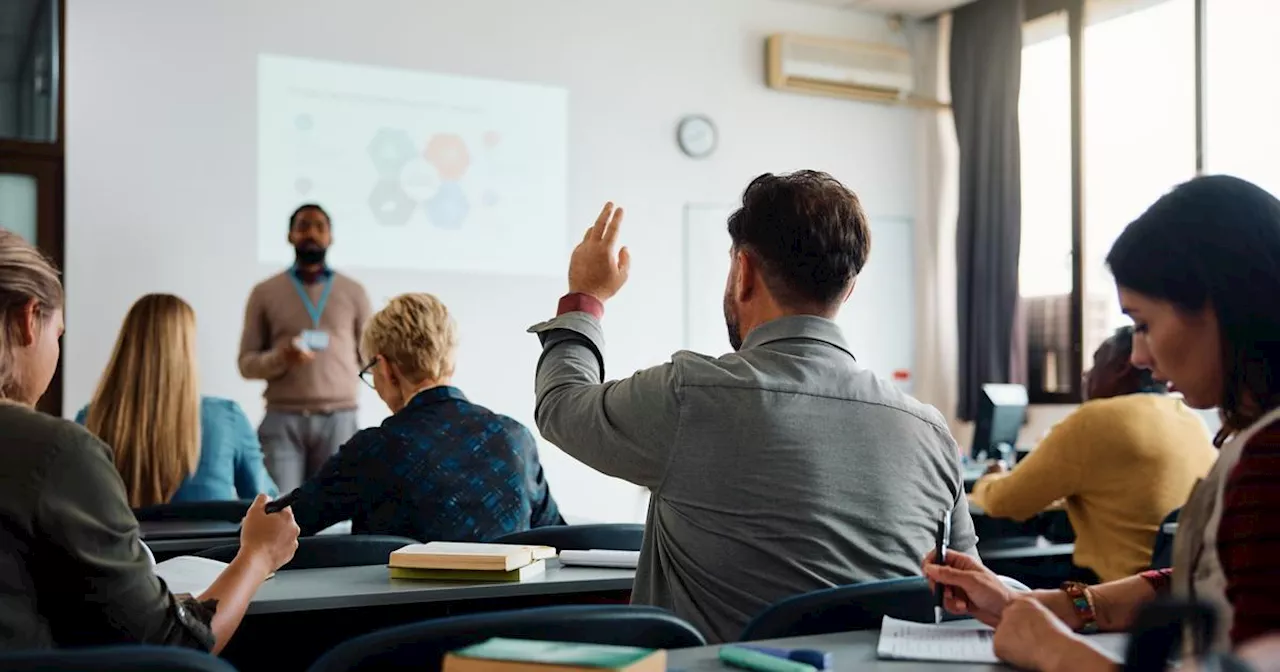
[(777, 470)]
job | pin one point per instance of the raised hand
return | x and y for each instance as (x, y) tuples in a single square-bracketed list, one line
[(594, 267)]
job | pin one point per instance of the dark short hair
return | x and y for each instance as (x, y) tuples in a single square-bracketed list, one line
[(1215, 241), (808, 232), (309, 206), (1119, 348)]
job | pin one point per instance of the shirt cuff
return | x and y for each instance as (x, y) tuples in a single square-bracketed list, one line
[(1160, 580), (579, 302)]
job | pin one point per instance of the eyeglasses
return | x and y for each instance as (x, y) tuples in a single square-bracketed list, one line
[(366, 374)]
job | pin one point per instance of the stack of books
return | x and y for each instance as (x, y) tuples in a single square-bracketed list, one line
[(513, 655), (453, 561)]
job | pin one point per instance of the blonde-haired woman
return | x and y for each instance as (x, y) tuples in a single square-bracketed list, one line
[(72, 570), (170, 444), (441, 468)]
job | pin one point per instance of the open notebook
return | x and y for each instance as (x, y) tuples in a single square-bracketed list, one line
[(962, 642)]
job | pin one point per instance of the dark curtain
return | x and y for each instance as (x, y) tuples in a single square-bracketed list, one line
[(986, 67)]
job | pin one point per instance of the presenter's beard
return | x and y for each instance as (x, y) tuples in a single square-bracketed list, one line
[(309, 254)]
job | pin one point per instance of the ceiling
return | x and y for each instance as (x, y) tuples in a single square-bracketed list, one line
[(916, 8), (15, 26)]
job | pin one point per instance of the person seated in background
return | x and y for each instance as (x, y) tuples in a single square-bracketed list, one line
[(780, 468), (1123, 461), (440, 468), (73, 571), (170, 443)]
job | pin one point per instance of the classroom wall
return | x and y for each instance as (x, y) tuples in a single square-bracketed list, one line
[(161, 196)]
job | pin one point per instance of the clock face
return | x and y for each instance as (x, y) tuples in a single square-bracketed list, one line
[(697, 136)]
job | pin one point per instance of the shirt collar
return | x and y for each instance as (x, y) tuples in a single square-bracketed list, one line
[(809, 327), (324, 273), (435, 395)]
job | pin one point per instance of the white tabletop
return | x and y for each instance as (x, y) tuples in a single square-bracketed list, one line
[(315, 589)]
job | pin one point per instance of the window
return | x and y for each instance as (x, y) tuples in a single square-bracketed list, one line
[(1242, 136), (1139, 138), (1092, 162), (1045, 274)]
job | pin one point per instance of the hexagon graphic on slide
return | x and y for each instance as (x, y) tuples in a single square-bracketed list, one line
[(389, 204), (390, 150), (419, 179), (448, 153), (449, 208)]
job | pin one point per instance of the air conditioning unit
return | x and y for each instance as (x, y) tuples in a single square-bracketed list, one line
[(842, 68)]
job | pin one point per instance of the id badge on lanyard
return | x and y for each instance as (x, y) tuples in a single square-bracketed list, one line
[(314, 338)]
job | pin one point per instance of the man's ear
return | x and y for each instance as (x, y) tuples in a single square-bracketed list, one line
[(747, 282), (28, 323), (848, 292)]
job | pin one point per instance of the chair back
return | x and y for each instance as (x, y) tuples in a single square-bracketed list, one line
[(422, 646), (1162, 551), (604, 537), (845, 608), (122, 658), (231, 511), (354, 550)]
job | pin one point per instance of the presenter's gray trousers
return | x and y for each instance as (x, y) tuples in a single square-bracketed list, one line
[(296, 445)]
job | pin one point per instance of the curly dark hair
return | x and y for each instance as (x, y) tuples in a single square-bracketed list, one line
[(808, 232)]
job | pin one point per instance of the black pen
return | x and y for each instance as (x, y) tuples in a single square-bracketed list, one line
[(940, 558), (283, 503)]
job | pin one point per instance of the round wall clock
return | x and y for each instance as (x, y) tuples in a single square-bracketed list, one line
[(697, 136)]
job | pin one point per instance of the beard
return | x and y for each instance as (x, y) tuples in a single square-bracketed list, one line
[(731, 322), (308, 253)]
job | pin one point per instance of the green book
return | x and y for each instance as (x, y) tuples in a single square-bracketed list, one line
[(519, 653), (519, 574)]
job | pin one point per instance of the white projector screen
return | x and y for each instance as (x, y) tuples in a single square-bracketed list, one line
[(418, 171)]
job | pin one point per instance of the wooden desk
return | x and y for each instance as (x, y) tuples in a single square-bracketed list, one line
[(850, 651)]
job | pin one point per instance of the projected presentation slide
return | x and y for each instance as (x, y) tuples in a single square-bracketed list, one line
[(419, 171)]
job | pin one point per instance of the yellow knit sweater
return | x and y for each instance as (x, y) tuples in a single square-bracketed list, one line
[(1122, 464)]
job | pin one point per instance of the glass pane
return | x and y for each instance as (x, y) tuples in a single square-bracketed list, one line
[(18, 204), (29, 70), (1044, 268), (1242, 137), (1139, 132)]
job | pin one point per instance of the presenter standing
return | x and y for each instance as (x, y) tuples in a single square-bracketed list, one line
[(301, 334)]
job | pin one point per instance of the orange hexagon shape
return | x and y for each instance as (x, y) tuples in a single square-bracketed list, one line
[(449, 154)]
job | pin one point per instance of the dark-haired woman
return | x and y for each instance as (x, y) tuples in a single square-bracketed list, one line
[(1199, 273)]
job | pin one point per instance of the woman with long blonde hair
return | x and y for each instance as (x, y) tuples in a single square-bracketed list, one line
[(169, 443), (73, 570)]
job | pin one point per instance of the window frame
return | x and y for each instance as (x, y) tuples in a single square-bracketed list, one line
[(1075, 11)]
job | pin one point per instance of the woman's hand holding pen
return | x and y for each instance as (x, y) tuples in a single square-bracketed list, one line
[(270, 537), (968, 587)]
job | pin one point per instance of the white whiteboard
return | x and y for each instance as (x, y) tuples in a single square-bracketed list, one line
[(878, 321)]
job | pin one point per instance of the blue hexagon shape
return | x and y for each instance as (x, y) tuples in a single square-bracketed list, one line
[(389, 204), (390, 150), (448, 209)]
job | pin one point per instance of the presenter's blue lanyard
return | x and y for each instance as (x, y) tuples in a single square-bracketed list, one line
[(315, 310)]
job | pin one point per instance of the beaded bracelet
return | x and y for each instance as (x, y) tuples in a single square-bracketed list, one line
[(1082, 602)]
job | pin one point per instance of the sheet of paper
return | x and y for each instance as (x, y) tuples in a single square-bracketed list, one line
[(903, 640), (189, 574)]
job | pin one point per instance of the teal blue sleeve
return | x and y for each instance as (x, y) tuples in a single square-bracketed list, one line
[(81, 415), (251, 469)]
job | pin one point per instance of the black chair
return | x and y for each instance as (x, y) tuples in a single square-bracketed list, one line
[(857, 607), (123, 658), (345, 550), (231, 511), (1162, 552), (605, 537), (422, 646)]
